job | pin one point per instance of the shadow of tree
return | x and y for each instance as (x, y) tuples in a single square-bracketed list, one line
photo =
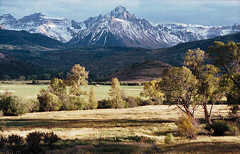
[(78, 123)]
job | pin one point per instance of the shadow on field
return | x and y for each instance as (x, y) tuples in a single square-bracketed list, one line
[(114, 148), (78, 123), (143, 148), (204, 147)]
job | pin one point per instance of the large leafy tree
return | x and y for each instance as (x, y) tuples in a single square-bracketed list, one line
[(179, 86), (227, 58), (208, 80)]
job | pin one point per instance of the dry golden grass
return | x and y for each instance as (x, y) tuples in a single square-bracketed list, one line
[(152, 112), (149, 121), (93, 124)]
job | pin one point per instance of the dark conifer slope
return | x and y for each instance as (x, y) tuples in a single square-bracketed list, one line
[(21, 38), (101, 62)]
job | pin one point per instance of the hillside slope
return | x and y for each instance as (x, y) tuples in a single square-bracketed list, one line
[(101, 62), (175, 55), (146, 71), (23, 38)]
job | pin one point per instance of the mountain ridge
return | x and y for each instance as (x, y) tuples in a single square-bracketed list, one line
[(117, 28), (27, 40)]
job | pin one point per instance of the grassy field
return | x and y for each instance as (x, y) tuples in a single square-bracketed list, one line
[(114, 130), (85, 128), (31, 91)]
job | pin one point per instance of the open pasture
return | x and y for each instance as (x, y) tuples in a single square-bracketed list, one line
[(30, 91), (114, 129), (79, 128)]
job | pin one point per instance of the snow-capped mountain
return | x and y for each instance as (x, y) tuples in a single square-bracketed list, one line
[(60, 29), (187, 33), (116, 28), (121, 28)]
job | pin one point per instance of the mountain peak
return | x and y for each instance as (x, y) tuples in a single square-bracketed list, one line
[(35, 15), (7, 19), (120, 9), (32, 17), (8, 15), (121, 13)]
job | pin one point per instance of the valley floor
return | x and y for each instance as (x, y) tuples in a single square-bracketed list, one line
[(149, 121)]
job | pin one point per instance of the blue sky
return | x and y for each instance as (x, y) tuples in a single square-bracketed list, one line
[(206, 12)]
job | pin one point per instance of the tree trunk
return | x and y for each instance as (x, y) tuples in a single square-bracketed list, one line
[(207, 116)]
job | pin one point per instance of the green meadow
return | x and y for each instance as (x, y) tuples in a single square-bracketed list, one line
[(29, 91)]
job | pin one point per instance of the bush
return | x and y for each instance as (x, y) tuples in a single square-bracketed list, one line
[(33, 141), (233, 129), (169, 138), (15, 140), (50, 138), (143, 102), (105, 104), (33, 105), (74, 103), (49, 101), (109, 104), (187, 126), (131, 102), (141, 139), (35, 82), (3, 141), (157, 101), (219, 128), (118, 104), (137, 101), (13, 106)]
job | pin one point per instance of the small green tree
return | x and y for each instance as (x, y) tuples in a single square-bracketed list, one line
[(187, 126), (115, 94), (150, 90), (49, 101), (59, 88), (194, 59), (179, 86), (77, 79), (93, 103)]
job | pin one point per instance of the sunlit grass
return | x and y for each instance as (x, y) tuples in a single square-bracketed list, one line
[(31, 91)]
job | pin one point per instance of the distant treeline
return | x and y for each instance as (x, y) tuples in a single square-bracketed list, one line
[(123, 83)]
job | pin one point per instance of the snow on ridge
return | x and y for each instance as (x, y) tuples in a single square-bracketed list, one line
[(53, 18), (121, 24)]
